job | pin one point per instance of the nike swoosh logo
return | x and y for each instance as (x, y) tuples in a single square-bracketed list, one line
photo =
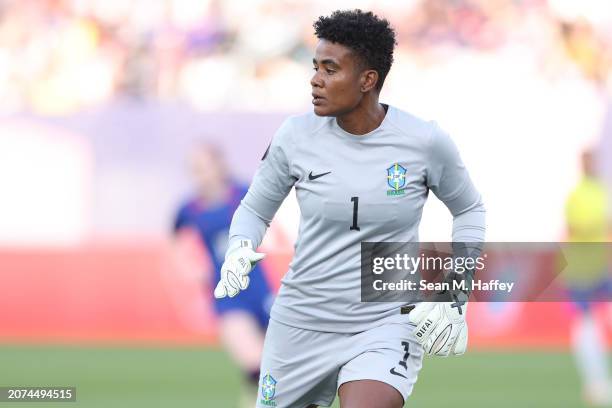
[(314, 177), (392, 371)]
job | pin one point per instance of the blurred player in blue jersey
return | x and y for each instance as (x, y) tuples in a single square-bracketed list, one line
[(242, 320), (587, 276)]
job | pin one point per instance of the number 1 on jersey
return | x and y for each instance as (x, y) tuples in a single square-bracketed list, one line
[(355, 201)]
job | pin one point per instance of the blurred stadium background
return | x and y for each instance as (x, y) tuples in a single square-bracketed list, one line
[(100, 101)]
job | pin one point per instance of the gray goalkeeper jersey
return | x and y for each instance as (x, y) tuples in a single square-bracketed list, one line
[(352, 188)]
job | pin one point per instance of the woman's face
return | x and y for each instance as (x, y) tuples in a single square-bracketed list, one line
[(207, 168), (337, 81)]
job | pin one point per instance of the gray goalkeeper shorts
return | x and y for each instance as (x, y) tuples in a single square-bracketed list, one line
[(301, 367)]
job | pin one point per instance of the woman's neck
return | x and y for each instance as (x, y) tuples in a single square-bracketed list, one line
[(363, 119)]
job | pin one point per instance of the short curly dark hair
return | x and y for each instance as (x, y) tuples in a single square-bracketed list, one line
[(369, 36)]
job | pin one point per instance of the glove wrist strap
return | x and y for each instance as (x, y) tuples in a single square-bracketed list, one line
[(238, 243)]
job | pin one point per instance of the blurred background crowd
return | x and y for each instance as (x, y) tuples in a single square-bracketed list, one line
[(62, 56), (509, 79)]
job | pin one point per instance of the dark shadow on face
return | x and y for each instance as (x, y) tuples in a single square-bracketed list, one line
[(336, 87)]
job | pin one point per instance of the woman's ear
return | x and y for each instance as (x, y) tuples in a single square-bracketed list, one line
[(369, 80)]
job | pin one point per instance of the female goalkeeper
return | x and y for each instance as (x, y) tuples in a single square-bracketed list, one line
[(362, 171)]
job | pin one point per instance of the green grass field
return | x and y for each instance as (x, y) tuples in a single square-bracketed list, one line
[(162, 377)]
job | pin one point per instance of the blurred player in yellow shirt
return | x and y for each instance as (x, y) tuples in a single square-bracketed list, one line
[(587, 275), (587, 206)]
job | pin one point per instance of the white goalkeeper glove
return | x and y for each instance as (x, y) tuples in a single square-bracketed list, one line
[(441, 327), (235, 270)]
